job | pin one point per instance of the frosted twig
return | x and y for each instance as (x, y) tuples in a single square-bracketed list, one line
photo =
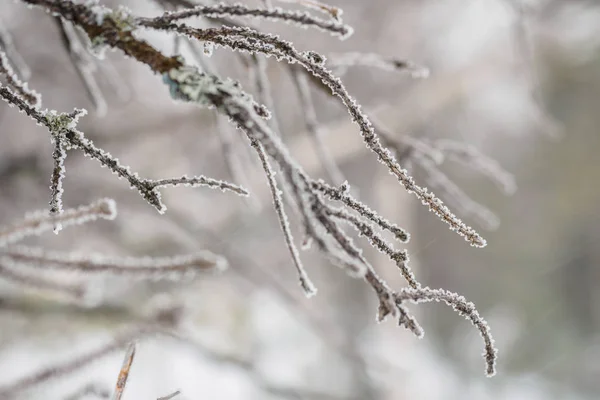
[(464, 308), (428, 157), (124, 372), (405, 145), (188, 84), (62, 126), (341, 62), (39, 222), (13, 81), (305, 282), (174, 267), (256, 42), (366, 230), (312, 126), (82, 63), (56, 183), (241, 10), (342, 195), (196, 181)]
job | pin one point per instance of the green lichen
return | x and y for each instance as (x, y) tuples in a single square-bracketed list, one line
[(187, 83)]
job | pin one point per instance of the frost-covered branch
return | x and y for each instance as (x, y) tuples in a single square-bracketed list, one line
[(240, 10), (321, 223), (40, 221), (305, 282), (246, 39), (13, 81), (464, 308)]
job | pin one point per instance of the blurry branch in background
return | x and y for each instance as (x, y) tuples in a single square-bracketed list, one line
[(83, 64), (334, 12), (312, 125), (89, 390), (17, 263), (21, 88), (41, 221), (341, 62), (320, 222), (14, 57), (429, 155), (68, 367), (170, 396)]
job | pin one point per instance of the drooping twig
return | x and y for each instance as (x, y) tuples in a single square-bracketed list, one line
[(305, 282), (464, 308), (188, 84), (13, 81)]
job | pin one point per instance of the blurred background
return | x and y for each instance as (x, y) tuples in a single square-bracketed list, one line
[(517, 79)]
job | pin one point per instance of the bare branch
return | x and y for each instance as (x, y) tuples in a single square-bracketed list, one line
[(124, 372)]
